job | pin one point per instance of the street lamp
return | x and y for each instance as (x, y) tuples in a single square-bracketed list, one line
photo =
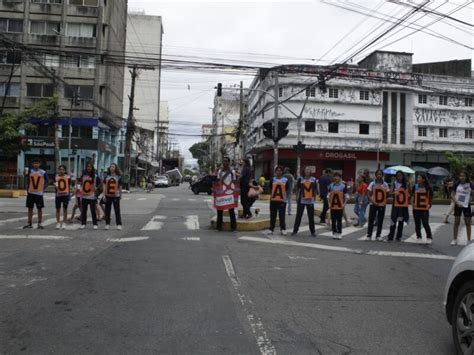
[(74, 101)]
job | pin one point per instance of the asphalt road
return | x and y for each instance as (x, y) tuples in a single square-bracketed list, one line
[(168, 284)]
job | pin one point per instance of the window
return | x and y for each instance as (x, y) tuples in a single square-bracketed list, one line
[(48, 1), (333, 127), (364, 128), (333, 93), (84, 2), (443, 132), (13, 89), (81, 30), (468, 133), (45, 28), (280, 92), (79, 61), (39, 90), (51, 60), (443, 100), (310, 126), (311, 92), (8, 25), (421, 131), (364, 95), (468, 101), (422, 99), (83, 91), (10, 57)]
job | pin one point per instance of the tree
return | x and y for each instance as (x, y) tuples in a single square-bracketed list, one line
[(460, 162), (12, 126), (200, 151)]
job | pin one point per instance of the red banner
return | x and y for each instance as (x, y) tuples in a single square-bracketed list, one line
[(225, 196)]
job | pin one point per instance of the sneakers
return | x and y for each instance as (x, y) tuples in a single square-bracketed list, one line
[(107, 227), (294, 233), (378, 238), (269, 232), (283, 232), (63, 225), (367, 238), (83, 226), (40, 226), (429, 241), (58, 225), (95, 226), (119, 227), (454, 242), (339, 236), (28, 226)]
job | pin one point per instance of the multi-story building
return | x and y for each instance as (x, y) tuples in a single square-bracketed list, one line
[(144, 44), (383, 111), (206, 131), (67, 47)]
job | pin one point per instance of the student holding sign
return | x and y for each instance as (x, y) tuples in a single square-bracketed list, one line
[(401, 200), (279, 189), (462, 195), (377, 194), (306, 189), (112, 193), (337, 198), (90, 183), (361, 201), (62, 184), (224, 199), (422, 196), (36, 184)]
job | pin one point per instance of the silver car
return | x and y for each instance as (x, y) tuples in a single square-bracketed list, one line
[(459, 300)]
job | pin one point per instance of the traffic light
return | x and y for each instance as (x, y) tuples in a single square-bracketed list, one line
[(322, 83), (300, 147), (219, 89), (268, 129), (282, 130)]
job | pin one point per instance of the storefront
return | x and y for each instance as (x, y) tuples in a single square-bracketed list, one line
[(349, 164)]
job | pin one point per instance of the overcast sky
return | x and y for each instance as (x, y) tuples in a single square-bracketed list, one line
[(282, 32)]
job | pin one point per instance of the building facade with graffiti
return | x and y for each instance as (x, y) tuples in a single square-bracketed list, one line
[(380, 112)]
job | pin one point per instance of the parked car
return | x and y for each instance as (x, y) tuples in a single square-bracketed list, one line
[(204, 184), (161, 181), (459, 300)]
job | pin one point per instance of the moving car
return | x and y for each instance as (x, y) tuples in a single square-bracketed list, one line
[(203, 185), (161, 181), (459, 300)]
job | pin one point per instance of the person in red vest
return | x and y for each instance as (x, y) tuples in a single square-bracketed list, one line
[(113, 193), (62, 183), (377, 194), (422, 196), (90, 183), (36, 184)]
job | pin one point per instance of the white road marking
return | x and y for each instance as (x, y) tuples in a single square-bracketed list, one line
[(47, 237), (175, 199), (126, 198), (291, 257), (45, 223), (154, 223), (141, 199), (434, 227), (350, 250), (345, 231), (383, 234), (191, 238), (306, 228), (125, 240), (263, 341), (192, 222), (191, 199), (72, 227), (208, 200), (13, 220)]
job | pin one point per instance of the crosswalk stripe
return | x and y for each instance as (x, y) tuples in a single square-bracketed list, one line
[(141, 199), (126, 198), (191, 238), (316, 228), (192, 222), (125, 240), (13, 220), (191, 199), (154, 223), (175, 199), (434, 228), (345, 231), (46, 237)]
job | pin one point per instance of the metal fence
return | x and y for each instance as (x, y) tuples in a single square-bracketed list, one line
[(12, 182)]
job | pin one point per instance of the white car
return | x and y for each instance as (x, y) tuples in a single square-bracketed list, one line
[(459, 300), (162, 181)]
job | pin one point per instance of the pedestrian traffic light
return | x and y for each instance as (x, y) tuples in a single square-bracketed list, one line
[(219, 89), (268, 129), (322, 83), (300, 147), (282, 130)]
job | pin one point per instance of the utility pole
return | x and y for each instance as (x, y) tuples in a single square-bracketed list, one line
[(57, 161), (130, 124), (74, 101), (241, 119), (275, 124)]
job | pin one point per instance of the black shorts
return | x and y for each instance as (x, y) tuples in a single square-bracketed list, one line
[(62, 200), (466, 211), (32, 200)]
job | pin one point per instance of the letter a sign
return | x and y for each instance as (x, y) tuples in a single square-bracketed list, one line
[(336, 200)]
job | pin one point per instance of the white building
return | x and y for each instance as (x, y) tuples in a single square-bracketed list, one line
[(376, 112), (144, 44)]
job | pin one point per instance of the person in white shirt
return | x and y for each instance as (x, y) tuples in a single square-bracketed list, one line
[(461, 195)]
